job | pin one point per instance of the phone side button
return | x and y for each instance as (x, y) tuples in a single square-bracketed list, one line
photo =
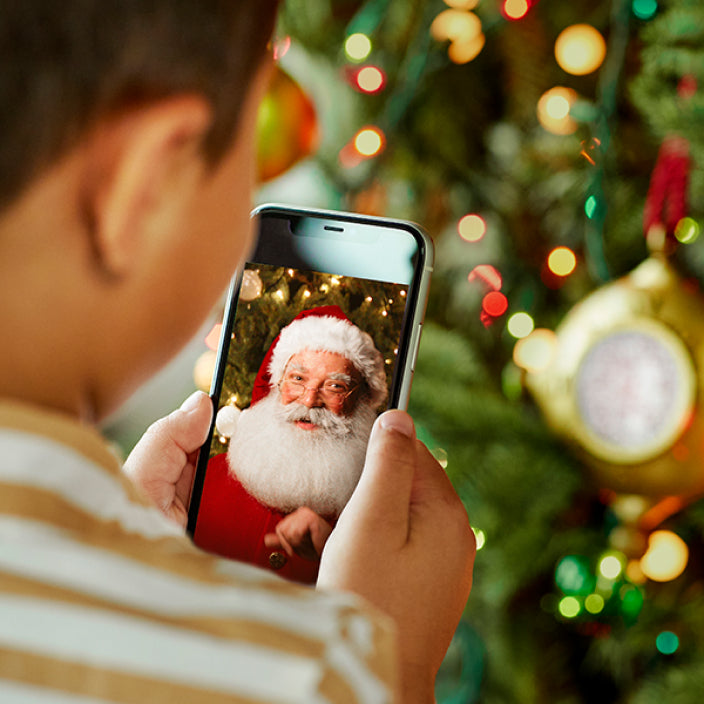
[(416, 345)]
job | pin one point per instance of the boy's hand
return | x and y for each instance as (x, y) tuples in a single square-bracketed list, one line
[(162, 463), (404, 543), (302, 532)]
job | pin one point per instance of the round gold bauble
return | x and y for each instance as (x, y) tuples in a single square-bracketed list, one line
[(624, 383)]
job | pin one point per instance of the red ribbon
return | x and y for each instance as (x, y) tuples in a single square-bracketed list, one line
[(666, 202)]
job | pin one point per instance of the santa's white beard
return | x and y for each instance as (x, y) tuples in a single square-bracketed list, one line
[(286, 467)]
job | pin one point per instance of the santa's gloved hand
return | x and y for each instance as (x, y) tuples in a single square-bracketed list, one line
[(404, 543), (162, 463), (303, 532)]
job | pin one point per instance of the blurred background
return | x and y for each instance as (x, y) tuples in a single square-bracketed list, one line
[(554, 152)]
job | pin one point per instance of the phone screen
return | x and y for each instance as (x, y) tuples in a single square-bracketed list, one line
[(318, 338)]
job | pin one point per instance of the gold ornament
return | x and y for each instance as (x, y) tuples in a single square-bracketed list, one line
[(623, 386)]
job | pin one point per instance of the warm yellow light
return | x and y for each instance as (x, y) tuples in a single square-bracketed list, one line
[(520, 325), (580, 49), (611, 566), (666, 557), (370, 79), (554, 110), (480, 537), (535, 351), (561, 261), (369, 141), (456, 25), (515, 9), (462, 51), (358, 46), (472, 227), (462, 4), (203, 370)]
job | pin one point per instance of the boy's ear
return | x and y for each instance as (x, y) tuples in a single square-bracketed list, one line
[(139, 164)]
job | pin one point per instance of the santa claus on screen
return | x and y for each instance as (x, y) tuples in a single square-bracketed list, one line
[(297, 452)]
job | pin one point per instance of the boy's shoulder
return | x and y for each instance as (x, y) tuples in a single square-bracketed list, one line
[(107, 596)]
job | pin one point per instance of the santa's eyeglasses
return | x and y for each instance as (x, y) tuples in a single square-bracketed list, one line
[(331, 391)]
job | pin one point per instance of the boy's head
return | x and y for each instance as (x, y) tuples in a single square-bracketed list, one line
[(126, 162)]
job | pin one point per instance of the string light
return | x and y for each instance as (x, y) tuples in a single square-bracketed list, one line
[(520, 325), (554, 110), (562, 261), (464, 51), (611, 566), (687, 230), (535, 351), (358, 46), (471, 227), (569, 607), (495, 304), (644, 9), (370, 79), (369, 141), (456, 25), (667, 643), (580, 49), (486, 274), (515, 9), (666, 557), (594, 603)]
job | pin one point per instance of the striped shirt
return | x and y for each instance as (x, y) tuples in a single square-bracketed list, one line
[(102, 599)]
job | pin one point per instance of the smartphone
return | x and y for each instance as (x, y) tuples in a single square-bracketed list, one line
[(320, 335)]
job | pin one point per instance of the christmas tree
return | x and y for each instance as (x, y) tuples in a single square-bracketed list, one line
[(531, 150)]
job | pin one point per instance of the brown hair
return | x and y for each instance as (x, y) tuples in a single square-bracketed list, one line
[(64, 64)]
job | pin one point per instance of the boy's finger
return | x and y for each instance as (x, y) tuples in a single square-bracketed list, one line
[(384, 490)]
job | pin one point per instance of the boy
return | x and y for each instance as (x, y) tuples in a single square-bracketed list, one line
[(127, 158)]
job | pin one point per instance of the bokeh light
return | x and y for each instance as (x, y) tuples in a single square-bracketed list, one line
[(515, 9), (535, 352), (554, 110), (590, 206), (687, 230), (520, 325), (487, 275), (569, 607), (495, 304), (644, 9), (562, 261), (611, 565), (369, 141), (203, 370), (580, 49), (480, 537), (456, 25), (667, 643), (462, 4), (212, 339), (594, 603), (471, 227), (370, 79), (666, 557), (358, 46), (463, 51)]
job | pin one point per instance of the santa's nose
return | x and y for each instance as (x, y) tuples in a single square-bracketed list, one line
[(310, 398)]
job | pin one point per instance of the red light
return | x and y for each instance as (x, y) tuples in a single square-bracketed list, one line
[(370, 79), (495, 303), (486, 274)]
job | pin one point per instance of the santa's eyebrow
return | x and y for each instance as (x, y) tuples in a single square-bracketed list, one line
[(340, 376), (297, 367)]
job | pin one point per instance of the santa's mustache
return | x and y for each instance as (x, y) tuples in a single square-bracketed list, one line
[(322, 417)]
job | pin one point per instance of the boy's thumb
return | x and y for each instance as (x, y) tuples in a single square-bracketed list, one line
[(384, 489)]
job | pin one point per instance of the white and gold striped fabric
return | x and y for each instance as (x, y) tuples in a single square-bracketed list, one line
[(103, 600)]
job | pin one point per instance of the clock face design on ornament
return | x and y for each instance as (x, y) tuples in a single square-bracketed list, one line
[(634, 391)]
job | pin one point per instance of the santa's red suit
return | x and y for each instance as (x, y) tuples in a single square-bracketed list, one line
[(232, 523)]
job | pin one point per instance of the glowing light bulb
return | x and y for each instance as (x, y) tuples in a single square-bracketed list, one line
[(520, 325), (554, 110), (667, 643), (569, 607), (472, 227), (580, 49), (486, 274), (462, 4), (480, 537), (370, 79), (369, 141), (611, 566), (495, 304), (358, 46), (515, 9), (535, 352), (562, 261), (687, 230), (594, 603), (644, 9), (462, 51), (666, 557), (456, 25)]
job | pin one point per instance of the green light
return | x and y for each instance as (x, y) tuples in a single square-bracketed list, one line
[(590, 206), (573, 575), (667, 642), (687, 230), (569, 606), (644, 9), (631, 601), (594, 603)]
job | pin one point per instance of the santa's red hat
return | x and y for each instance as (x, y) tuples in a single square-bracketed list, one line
[(326, 329)]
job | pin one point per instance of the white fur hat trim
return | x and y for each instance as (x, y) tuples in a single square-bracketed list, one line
[(330, 334)]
